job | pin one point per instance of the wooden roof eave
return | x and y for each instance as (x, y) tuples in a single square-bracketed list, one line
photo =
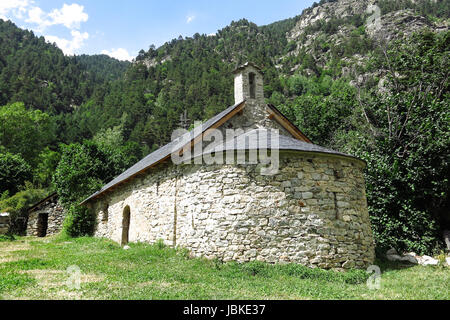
[(275, 114)]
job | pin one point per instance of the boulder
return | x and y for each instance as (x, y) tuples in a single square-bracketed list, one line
[(427, 261), (447, 239), (392, 255)]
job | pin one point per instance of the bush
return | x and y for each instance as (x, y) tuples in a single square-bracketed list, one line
[(18, 205), (403, 134), (256, 268), (85, 168), (398, 220), (160, 244), (79, 222), (7, 238), (80, 172), (14, 171)]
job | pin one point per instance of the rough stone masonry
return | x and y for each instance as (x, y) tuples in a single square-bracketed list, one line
[(312, 212), (4, 223), (45, 218)]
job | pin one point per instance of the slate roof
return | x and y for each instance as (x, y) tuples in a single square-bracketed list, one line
[(50, 197), (254, 139), (243, 142), (162, 153), (245, 65)]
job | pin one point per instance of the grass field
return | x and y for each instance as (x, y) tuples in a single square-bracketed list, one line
[(32, 268)]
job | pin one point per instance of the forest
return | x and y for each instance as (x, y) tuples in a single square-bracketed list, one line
[(69, 124)]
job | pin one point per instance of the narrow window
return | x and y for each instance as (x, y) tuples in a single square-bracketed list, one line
[(105, 213), (126, 226), (251, 80)]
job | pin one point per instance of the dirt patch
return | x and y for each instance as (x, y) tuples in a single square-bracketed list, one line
[(52, 284), (47, 278), (8, 258), (58, 278), (8, 249), (13, 247)]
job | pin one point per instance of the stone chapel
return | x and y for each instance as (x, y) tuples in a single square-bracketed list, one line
[(312, 210)]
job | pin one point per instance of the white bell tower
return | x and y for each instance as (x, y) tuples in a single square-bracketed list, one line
[(249, 84)]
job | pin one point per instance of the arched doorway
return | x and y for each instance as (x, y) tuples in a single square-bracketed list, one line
[(42, 224), (125, 226)]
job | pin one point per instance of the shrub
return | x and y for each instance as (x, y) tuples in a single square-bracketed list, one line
[(79, 222), (14, 171), (256, 268), (80, 172), (160, 244), (7, 238), (84, 168), (403, 134), (18, 205)]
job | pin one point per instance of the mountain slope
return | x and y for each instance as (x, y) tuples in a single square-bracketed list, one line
[(40, 75)]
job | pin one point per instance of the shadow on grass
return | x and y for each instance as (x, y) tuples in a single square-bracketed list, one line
[(386, 265)]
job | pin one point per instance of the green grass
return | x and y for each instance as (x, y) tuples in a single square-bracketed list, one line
[(33, 268)]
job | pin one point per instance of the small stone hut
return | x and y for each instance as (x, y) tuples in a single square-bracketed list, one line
[(45, 218), (5, 221), (312, 210)]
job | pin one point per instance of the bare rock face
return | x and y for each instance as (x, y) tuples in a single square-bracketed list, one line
[(401, 23), (391, 24), (382, 28), (154, 62), (339, 9)]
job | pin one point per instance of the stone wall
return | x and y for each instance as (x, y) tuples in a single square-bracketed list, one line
[(53, 224), (313, 212), (5, 221)]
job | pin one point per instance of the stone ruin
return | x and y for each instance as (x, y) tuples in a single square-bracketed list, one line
[(45, 218), (5, 221)]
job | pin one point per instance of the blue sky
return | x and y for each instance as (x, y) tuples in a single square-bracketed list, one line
[(122, 28)]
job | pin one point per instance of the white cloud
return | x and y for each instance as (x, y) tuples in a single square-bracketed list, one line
[(15, 7), (190, 18), (119, 54), (69, 46), (69, 16), (36, 15)]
